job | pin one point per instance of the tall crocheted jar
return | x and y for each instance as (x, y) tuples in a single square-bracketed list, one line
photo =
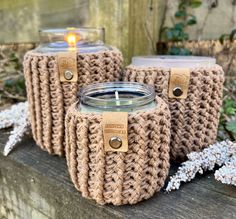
[(117, 142), (192, 87), (65, 61)]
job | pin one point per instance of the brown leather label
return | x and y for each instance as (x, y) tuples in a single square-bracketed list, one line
[(67, 66), (179, 83), (115, 131)]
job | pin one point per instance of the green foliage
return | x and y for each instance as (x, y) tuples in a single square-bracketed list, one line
[(12, 83), (179, 51), (183, 19), (229, 37), (231, 127), (227, 126), (15, 85)]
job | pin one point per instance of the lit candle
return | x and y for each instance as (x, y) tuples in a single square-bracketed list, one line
[(173, 61), (83, 40), (117, 97)]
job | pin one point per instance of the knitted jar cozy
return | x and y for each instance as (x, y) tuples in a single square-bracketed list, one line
[(119, 177), (49, 98), (194, 120)]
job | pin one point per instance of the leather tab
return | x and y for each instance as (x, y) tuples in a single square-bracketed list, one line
[(179, 83), (115, 131), (67, 66)]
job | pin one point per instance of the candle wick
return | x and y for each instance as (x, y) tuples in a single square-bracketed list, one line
[(117, 95), (117, 98)]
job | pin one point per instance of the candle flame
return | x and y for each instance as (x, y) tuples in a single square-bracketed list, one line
[(72, 38)]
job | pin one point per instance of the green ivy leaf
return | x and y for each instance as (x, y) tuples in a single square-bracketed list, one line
[(223, 37), (229, 107), (231, 127), (179, 26), (232, 34), (195, 3), (177, 35), (174, 51), (180, 14), (13, 57), (192, 21)]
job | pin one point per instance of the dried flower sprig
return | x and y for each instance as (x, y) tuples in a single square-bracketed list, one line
[(218, 154), (227, 173), (16, 117)]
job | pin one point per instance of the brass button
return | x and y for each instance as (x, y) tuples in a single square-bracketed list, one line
[(177, 91), (68, 75), (115, 142)]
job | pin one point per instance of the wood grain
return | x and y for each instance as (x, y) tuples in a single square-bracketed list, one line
[(46, 175)]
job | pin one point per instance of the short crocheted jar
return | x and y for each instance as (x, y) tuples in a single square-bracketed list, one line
[(192, 87), (115, 176), (65, 61)]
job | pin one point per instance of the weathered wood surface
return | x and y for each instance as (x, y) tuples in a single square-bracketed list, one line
[(36, 185)]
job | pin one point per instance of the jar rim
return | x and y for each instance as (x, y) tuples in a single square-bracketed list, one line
[(173, 61), (91, 95), (82, 39), (66, 29)]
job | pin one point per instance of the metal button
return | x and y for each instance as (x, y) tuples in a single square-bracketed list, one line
[(68, 75), (177, 91), (115, 142)]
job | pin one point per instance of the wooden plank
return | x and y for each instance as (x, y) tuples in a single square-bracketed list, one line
[(113, 16), (131, 25), (46, 177)]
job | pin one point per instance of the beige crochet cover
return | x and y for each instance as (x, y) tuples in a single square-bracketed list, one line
[(194, 120), (119, 177), (49, 98)]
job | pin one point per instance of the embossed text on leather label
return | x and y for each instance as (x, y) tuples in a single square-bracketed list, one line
[(115, 131)]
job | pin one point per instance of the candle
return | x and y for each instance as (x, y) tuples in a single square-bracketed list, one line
[(116, 97), (173, 61), (192, 86), (65, 61), (83, 40), (126, 150)]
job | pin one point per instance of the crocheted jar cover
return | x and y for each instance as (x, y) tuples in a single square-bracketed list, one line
[(194, 120), (49, 98), (119, 177)]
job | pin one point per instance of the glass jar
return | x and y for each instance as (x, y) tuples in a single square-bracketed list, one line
[(82, 40), (169, 61), (116, 97)]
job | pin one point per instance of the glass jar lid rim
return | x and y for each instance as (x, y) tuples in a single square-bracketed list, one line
[(62, 29), (147, 94), (174, 58)]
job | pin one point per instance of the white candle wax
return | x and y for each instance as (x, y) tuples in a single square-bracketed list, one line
[(173, 61)]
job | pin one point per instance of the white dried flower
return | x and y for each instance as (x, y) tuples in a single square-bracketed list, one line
[(198, 162), (16, 117), (227, 173)]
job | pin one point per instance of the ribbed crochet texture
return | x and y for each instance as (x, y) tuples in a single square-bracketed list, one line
[(119, 177), (194, 120), (49, 98)]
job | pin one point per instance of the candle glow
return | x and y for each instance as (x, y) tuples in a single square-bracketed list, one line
[(72, 38)]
